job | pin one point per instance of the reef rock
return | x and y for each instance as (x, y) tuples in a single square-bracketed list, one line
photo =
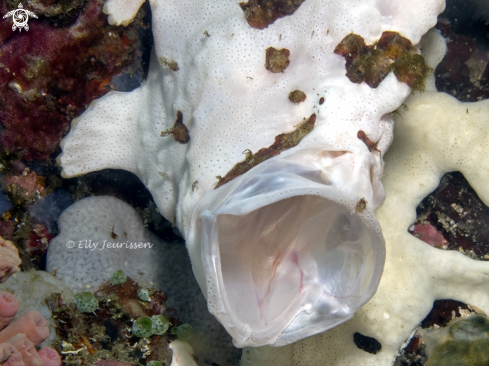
[(275, 199)]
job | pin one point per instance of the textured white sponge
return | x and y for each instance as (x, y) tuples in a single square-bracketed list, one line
[(122, 12), (80, 255)]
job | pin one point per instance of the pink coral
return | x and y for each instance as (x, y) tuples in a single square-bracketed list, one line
[(27, 185), (18, 340), (27, 349), (429, 234), (8, 308), (9, 259), (43, 86), (31, 323), (10, 356), (50, 357)]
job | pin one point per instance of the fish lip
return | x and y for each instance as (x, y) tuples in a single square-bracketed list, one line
[(239, 197)]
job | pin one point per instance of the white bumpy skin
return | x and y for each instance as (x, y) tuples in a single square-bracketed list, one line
[(280, 252)]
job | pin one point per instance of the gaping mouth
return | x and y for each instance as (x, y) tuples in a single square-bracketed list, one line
[(284, 252)]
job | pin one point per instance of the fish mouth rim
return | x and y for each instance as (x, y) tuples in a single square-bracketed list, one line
[(205, 255)]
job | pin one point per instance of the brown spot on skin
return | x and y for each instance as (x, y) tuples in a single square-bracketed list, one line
[(277, 60), (297, 96), (392, 52), (361, 205), (168, 63), (261, 13), (179, 131), (370, 144), (282, 142), (321, 100)]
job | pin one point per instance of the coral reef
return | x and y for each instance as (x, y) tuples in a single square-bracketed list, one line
[(164, 266), (19, 338), (34, 289), (43, 85), (98, 328)]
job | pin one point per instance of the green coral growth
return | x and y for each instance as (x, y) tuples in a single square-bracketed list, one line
[(143, 294), (160, 324), (118, 278), (184, 332), (142, 327), (85, 302), (154, 363), (466, 344)]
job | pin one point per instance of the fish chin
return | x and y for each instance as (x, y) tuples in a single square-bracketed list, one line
[(282, 252)]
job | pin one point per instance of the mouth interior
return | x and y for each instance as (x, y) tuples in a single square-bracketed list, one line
[(289, 255)]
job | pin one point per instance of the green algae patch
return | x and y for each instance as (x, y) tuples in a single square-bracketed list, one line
[(122, 327), (118, 277), (392, 52), (184, 332), (142, 327), (85, 302), (282, 142), (143, 294), (261, 13)]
